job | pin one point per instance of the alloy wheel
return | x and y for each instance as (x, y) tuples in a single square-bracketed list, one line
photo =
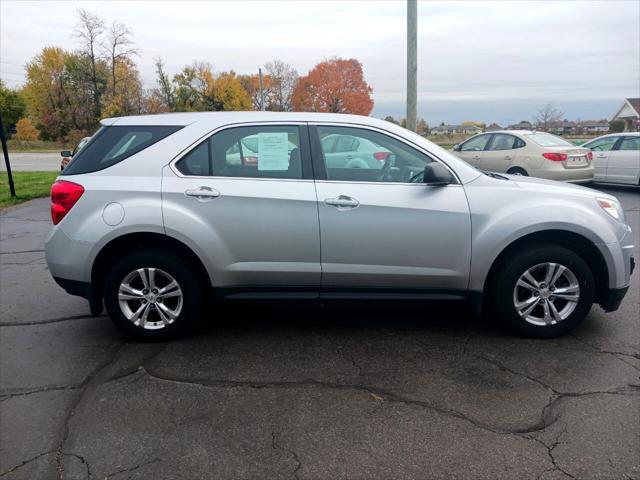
[(546, 294), (150, 298)]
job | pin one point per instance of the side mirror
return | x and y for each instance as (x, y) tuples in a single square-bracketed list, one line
[(66, 153), (456, 147), (437, 175)]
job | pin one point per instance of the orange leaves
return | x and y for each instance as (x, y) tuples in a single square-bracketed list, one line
[(336, 86)]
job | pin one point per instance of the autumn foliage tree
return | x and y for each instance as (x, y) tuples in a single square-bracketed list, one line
[(25, 131), (336, 86)]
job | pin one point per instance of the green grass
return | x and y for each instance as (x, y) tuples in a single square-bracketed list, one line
[(28, 185), (35, 146)]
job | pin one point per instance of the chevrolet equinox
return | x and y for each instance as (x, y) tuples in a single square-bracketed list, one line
[(159, 215)]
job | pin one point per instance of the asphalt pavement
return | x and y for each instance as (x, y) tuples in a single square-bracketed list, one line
[(298, 390)]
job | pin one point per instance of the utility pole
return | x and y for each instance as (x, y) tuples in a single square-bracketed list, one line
[(412, 64), (262, 108), (12, 188)]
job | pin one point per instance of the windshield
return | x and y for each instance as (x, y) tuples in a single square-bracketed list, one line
[(548, 140)]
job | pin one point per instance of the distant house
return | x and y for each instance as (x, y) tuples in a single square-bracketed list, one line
[(564, 127), (594, 127), (522, 125), (494, 127), (629, 112), (455, 129)]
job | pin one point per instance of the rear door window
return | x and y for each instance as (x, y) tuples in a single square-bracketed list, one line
[(111, 145), (502, 141), (630, 143)]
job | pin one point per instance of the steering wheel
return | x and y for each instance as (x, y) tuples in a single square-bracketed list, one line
[(416, 177), (386, 168)]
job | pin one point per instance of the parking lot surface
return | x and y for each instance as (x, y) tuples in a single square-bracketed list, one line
[(284, 390)]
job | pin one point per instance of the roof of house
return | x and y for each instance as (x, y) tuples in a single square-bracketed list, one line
[(630, 104)]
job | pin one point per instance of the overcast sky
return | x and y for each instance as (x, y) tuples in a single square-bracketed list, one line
[(488, 61)]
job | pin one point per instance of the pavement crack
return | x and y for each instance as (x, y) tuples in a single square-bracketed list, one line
[(22, 251), (20, 465), (515, 372), (83, 387), (52, 320), (372, 392), (276, 446), (338, 351), (550, 449), (83, 460), (130, 469), (49, 388), (595, 348)]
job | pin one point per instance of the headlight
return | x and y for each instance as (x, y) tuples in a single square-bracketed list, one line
[(612, 207)]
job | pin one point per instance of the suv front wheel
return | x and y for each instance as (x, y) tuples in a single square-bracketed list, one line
[(152, 295), (543, 292)]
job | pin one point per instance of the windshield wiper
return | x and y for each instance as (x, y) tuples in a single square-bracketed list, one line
[(494, 175)]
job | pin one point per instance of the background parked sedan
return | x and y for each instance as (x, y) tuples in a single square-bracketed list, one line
[(346, 151), (524, 152), (68, 155), (616, 158)]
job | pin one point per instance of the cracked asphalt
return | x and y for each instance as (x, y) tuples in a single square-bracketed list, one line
[(294, 390)]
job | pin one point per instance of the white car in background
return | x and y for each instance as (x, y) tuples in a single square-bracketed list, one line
[(616, 158), (528, 153), (348, 151)]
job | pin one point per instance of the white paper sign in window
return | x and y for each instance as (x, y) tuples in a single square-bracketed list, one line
[(273, 153)]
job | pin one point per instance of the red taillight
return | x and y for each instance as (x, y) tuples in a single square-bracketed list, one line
[(590, 155), (249, 160), (555, 157), (64, 196), (382, 156)]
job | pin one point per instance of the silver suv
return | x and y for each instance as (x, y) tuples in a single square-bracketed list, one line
[(159, 215)]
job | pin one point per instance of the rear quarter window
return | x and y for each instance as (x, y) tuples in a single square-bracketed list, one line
[(111, 145)]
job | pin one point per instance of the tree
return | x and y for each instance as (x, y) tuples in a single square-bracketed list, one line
[(389, 118), (422, 128), (472, 123), (25, 131), (616, 126), (251, 84), (229, 93), (197, 89), (164, 91), (282, 82), (547, 115), (45, 92), (89, 30), (193, 88), (337, 86), (120, 51), (12, 105)]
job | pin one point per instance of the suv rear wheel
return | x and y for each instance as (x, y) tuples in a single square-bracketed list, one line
[(544, 292), (152, 295)]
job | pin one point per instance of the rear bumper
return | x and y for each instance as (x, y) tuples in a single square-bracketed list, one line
[(84, 290), (572, 175), (613, 298), (73, 287)]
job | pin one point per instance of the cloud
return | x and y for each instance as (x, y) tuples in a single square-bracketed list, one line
[(566, 51)]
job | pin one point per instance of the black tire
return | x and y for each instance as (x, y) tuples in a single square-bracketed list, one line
[(518, 171), (182, 272), (501, 294)]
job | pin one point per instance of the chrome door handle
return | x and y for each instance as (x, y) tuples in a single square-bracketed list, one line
[(202, 194), (342, 202)]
